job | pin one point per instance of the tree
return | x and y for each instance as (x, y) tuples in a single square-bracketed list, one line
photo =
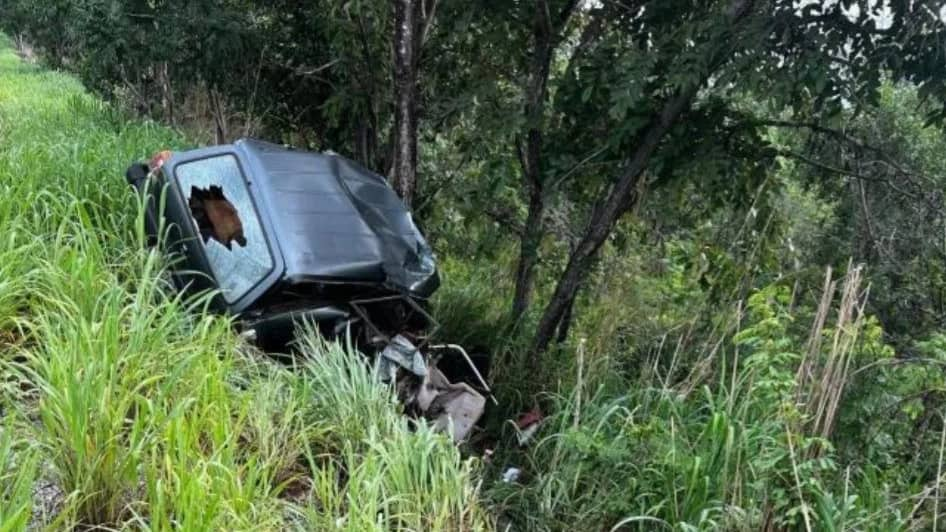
[(412, 20), (803, 57), (547, 35), (404, 173), (884, 176)]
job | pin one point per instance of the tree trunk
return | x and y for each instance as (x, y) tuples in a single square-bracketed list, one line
[(218, 110), (528, 253), (531, 160), (406, 44), (566, 324), (365, 145), (167, 96), (622, 197)]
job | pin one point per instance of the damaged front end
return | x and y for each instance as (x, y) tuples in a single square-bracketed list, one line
[(283, 236)]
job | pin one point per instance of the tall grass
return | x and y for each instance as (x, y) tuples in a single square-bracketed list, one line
[(18, 468), (749, 449), (374, 471)]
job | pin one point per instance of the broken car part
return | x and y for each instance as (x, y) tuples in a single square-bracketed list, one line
[(284, 236), (527, 425)]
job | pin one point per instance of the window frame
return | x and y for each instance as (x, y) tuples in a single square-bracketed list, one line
[(276, 265)]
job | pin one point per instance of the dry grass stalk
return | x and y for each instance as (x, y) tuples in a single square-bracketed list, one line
[(822, 375)]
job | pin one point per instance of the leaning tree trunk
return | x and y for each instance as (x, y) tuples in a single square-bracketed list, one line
[(406, 43), (622, 197), (624, 194)]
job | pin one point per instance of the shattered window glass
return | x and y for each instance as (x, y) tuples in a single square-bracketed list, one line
[(226, 221)]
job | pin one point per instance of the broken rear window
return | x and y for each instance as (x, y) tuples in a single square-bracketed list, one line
[(226, 222)]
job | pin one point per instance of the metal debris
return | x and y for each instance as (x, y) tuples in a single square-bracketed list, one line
[(453, 407), (400, 352)]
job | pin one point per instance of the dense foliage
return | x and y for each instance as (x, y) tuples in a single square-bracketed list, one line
[(706, 239)]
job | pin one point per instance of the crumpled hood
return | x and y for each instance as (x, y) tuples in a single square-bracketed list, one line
[(336, 221)]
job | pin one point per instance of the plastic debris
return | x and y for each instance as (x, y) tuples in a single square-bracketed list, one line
[(527, 425), (511, 475), (453, 407)]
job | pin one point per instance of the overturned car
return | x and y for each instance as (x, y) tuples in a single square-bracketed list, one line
[(284, 236)]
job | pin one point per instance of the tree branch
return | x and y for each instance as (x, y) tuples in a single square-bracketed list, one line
[(790, 154), (305, 70), (428, 14), (561, 179), (507, 219), (859, 144), (819, 128)]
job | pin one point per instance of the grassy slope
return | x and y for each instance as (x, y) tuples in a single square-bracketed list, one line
[(148, 415), (145, 413)]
